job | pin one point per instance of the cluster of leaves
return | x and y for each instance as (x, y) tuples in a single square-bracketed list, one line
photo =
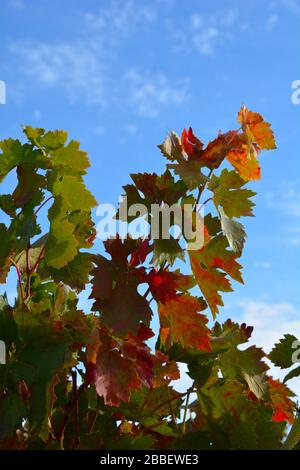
[(77, 380)]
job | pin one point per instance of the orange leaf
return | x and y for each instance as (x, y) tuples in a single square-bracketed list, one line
[(182, 323), (257, 129), (283, 406), (243, 157), (191, 144), (206, 264)]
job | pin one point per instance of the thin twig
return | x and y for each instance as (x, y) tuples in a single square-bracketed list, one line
[(19, 280), (75, 409), (205, 202), (171, 409), (73, 399), (28, 271), (185, 411), (43, 204), (201, 189), (180, 395), (41, 254)]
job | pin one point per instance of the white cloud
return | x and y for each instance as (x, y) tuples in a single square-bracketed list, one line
[(76, 68), (229, 18), (99, 130), (130, 129), (196, 21), (202, 33), (149, 93), (292, 5), (87, 68), (272, 20), (286, 199), (262, 264), (271, 322), (120, 18), (17, 4), (205, 40)]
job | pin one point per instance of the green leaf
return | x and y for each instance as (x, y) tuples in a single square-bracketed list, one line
[(75, 273), (10, 157), (53, 140), (33, 133), (70, 158), (160, 426), (189, 171), (200, 371), (234, 231), (12, 410), (8, 326), (197, 440), (246, 364), (61, 246), (44, 353), (167, 251), (228, 194), (292, 374), (7, 205), (141, 442), (74, 194), (6, 251), (282, 353)]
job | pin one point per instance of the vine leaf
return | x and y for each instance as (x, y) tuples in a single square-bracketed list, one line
[(228, 194), (167, 251), (181, 322), (61, 246), (257, 129), (282, 353), (207, 265), (234, 232), (164, 284), (247, 364), (283, 406), (118, 368)]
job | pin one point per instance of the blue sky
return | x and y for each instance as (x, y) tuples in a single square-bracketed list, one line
[(118, 74)]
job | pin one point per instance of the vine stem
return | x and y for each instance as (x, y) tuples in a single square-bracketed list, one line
[(185, 410), (72, 402), (19, 280), (180, 395), (41, 254), (202, 188), (205, 202), (28, 271), (43, 204), (75, 409), (171, 408)]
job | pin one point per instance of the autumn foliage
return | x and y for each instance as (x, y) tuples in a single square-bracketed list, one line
[(93, 380)]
